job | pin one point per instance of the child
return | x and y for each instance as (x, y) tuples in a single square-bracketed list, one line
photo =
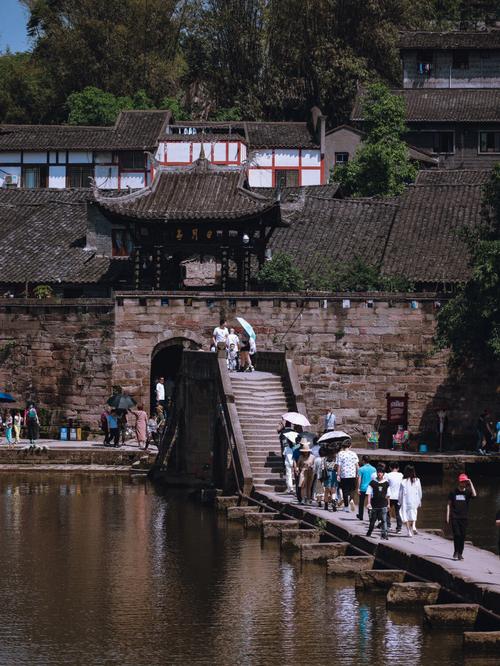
[(330, 481), (152, 432), (232, 358)]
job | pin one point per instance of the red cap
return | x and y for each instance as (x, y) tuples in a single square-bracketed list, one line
[(463, 477)]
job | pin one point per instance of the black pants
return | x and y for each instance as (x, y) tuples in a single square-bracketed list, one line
[(114, 434), (347, 486), (298, 491), (399, 522), (458, 528), (381, 515), (361, 508)]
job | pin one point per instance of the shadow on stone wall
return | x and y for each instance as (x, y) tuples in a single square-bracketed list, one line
[(464, 394)]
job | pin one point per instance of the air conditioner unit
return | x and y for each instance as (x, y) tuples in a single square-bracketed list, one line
[(10, 179)]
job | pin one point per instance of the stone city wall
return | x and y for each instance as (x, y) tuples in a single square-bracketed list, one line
[(68, 357), (346, 358), (58, 356)]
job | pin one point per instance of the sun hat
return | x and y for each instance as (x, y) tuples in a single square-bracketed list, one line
[(463, 477), (305, 448)]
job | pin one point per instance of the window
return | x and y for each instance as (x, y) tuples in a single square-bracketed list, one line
[(287, 178), (35, 176), (424, 62), (460, 60), (131, 159), (122, 243), (443, 142), (79, 175), (341, 159), (489, 142)]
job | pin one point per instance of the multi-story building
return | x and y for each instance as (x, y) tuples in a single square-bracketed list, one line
[(451, 89), (124, 156)]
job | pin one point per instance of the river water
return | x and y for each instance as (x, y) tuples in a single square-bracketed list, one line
[(104, 570)]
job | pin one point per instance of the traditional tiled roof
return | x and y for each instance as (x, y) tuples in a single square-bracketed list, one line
[(291, 194), (444, 105), (485, 39), (202, 191), (42, 239), (453, 177), (324, 231), (280, 135), (133, 130)]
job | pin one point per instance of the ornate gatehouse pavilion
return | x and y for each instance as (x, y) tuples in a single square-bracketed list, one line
[(202, 221)]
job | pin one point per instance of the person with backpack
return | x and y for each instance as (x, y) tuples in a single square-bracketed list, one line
[(33, 425)]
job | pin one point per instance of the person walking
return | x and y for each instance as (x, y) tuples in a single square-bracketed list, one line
[(365, 475), (160, 393), (348, 464), (288, 461), (17, 426), (330, 421), (456, 513), (245, 362), (394, 478), (9, 422), (141, 426), (330, 480), (33, 424), (114, 431), (410, 499), (305, 471), (220, 334), (378, 496)]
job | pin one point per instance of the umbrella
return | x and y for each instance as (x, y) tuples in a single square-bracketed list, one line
[(332, 435), (291, 435), (121, 401), (248, 328), (7, 397), (296, 419)]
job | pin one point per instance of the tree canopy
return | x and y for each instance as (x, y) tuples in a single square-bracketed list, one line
[(257, 59)]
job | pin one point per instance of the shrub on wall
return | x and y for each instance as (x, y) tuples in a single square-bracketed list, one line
[(281, 274)]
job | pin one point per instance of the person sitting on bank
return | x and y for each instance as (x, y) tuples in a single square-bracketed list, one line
[(456, 513), (378, 496)]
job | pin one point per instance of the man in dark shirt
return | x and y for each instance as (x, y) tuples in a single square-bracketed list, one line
[(378, 497), (456, 512)]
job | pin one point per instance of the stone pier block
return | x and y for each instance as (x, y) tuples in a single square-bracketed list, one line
[(451, 615), (271, 529), (293, 538), (256, 519), (413, 594), (221, 502), (349, 565), (379, 579), (321, 552), (482, 641), (238, 512)]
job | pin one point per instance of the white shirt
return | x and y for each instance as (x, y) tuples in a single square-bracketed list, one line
[(347, 461), (330, 421), (394, 479), (220, 334), (160, 391), (233, 339)]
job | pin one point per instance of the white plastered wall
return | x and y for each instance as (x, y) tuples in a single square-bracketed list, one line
[(57, 177), (106, 177), (260, 177)]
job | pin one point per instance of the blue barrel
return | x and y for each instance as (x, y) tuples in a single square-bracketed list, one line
[(423, 448)]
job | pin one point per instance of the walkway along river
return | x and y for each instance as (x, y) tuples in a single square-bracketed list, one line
[(105, 570)]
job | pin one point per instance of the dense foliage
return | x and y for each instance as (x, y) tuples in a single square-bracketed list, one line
[(281, 274), (381, 166), (470, 322), (269, 59)]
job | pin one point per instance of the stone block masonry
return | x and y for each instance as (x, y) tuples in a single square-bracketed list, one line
[(68, 355)]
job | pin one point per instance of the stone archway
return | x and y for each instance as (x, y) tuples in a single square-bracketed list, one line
[(166, 359)]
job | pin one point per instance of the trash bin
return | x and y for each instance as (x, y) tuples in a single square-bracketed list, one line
[(63, 434), (72, 434), (79, 434), (423, 448)]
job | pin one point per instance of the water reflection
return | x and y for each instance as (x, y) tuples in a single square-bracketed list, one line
[(105, 571)]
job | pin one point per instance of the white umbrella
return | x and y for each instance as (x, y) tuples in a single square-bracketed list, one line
[(296, 419), (291, 435), (333, 434)]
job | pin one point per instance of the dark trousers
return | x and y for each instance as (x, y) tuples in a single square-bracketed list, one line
[(114, 435), (347, 486), (361, 508), (378, 514), (458, 527), (298, 491), (399, 522)]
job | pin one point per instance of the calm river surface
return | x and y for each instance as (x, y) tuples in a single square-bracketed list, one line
[(107, 571)]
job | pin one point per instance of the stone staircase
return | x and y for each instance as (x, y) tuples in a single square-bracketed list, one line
[(261, 399)]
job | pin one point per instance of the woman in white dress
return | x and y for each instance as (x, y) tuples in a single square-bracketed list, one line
[(410, 499)]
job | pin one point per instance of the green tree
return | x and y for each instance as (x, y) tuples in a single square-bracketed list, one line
[(93, 106), (381, 166), (26, 92), (281, 274), (470, 322)]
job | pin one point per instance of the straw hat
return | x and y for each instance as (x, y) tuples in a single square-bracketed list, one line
[(305, 448)]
